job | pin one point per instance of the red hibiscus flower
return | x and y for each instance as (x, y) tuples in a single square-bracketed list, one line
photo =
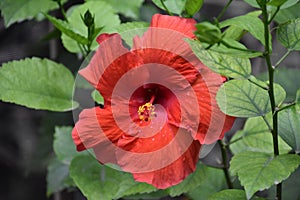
[(159, 104)]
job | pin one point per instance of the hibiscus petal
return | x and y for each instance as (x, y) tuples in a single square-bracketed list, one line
[(93, 130), (182, 25), (213, 122), (173, 173)]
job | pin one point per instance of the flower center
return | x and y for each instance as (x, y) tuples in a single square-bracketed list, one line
[(146, 112)]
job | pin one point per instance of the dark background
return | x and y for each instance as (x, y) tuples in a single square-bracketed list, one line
[(26, 135)]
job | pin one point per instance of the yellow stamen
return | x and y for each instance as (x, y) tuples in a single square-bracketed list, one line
[(146, 112)]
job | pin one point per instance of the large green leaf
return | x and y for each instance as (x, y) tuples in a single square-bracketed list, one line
[(256, 136), (131, 29), (37, 83), (58, 176), (128, 8), (175, 7), (231, 194), (63, 144), (191, 182), (193, 6), (289, 127), (97, 181), (105, 17), (227, 65), (212, 180), (241, 98), (250, 23), (289, 34), (287, 14), (259, 171), (19, 10)]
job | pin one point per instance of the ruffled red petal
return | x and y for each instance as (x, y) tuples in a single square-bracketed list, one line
[(182, 25), (173, 173)]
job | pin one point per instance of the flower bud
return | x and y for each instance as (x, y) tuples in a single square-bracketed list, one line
[(88, 19), (208, 33)]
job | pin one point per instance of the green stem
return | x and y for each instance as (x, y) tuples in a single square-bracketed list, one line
[(225, 164), (62, 10), (267, 54), (223, 10), (275, 13), (165, 7), (282, 58)]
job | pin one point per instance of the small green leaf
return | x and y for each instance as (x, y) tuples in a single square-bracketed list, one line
[(37, 83), (250, 23), (193, 6), (97, 97), (258, 171), (175, 7), (226, 65), (105, 17), (19, 10), (212, 180), (289, 127), (289, 34), (63, 144), (97, 181), (57, 177), (65, 28), (131, 29), (241, 98), (253, 3)]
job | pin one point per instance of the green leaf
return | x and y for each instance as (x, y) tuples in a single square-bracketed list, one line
[(231, 194), (128, 8), (193, 6), (289, 34), (287, 14), (289, 127), (131, 29), (19, 10), (37, 83), (211, 181), (253, 3), (259, 171), (283, 3), (256, 136), (57, 177), (288, 79), (97, 181), (240, 98), (97, 97), (226, 65), (63, 144), (175, 7), (105, 17), (190, 183), (250, 23), (65, 28), (256, 141)]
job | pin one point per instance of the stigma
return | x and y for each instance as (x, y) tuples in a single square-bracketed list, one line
[(146, 112)]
